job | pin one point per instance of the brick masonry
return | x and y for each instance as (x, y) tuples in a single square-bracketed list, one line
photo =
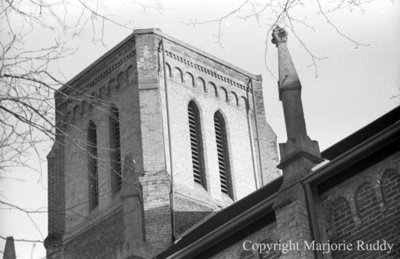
[(242, 249), (131, 78), (363, 208), (366, 208), (102, 240)]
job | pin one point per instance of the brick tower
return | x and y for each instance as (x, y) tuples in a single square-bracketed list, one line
[(151, 138)]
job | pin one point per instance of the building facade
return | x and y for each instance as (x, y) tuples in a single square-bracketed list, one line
[(151, 139), (163, 151), (343, 202)]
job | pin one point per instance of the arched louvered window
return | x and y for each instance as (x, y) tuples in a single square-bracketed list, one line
[(223, 154), (115, 150), (92, 164), (196, 144)]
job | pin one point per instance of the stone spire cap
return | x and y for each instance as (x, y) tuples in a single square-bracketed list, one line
[(279, 35), (288, 78), (298, 144)]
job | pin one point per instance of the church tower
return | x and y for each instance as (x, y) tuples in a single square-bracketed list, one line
[(151, 138)]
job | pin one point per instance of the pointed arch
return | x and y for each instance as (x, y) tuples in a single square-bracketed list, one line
[(196, 144), (223, 154)]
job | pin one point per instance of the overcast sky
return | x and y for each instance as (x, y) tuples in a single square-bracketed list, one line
[(354, 85)]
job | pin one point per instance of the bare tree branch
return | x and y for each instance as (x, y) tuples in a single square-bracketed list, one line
[(23, 240), (272, 13), (13, 206)]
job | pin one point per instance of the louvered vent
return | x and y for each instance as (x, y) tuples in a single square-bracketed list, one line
[(196, 144), (223, 157), (115, 149), (92, 159)]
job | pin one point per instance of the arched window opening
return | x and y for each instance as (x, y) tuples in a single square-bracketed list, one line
[(115, 150), (92, 164), (223, 154), (196, 144)]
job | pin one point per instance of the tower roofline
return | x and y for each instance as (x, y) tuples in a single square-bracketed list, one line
[(158, 32)]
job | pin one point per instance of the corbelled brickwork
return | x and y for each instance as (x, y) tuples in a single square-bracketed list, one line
[(154, 133), (365, 209)]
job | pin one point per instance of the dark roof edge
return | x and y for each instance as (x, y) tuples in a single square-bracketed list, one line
[(362, 134), (235, 223), (234, 218), (355, 154), (165, 36)]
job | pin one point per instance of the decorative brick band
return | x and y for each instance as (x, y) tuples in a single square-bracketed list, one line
[(104, 74), (206, 70), (109, 70)]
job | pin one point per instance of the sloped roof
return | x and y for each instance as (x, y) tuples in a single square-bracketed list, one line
[(261, 199), (362, 134), (259, 203)]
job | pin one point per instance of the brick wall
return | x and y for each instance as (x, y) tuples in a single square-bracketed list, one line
[(76, 173), (189, 211), (213, 87), (56, 198), (115, 82), (56, 192), (264, 235), (102, 240), (131, 78), (366, 209), (157, 210), (156, 180), (265, 138)]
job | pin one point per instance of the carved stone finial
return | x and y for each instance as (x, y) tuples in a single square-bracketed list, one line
[(279, 35)]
